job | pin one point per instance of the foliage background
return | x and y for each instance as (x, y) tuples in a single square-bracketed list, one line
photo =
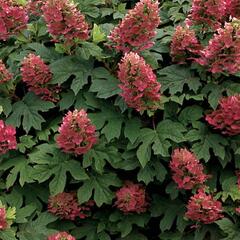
[(131, 146)]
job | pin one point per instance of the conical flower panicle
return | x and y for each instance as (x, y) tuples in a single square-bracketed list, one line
[(137, 29)]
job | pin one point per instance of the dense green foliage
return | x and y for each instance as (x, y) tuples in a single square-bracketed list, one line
[(131, 146)]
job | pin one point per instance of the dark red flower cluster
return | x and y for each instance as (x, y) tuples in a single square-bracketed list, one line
[(36, 74), (137, 29), (13, 19), (5, 75), (132, 198), (139, 85), (184, 45), (34, 7), (61, 236), (227, 117), (223, 51), (187, 171), (209, 13), (77, 133), (3, 219), (64, 21), (204, 208), (233, 7), (66, 206), (7, 138)]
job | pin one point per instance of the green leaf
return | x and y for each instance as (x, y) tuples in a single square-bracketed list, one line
[(89, 49), (132, 129), (98, 35), (50, 161), (26, 112), (229, 228), (171, 211), (203, 141), (99, 185), (152, 170), (109, 121), (174, 78), (99, 155), (69, 66), (20, 167), (158, 140), (26, 142), (104, 84), (7, 234)]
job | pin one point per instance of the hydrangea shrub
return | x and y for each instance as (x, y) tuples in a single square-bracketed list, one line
[(119, 119)]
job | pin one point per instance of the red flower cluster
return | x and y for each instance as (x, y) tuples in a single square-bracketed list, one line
[(210, 13), (140, 88), (64, 21), (137, 29), (34, 7), (36, 74), (3, 219), (184, 44), (5, 75), (61, 236), (7, 138), (77, 134), (187, 171), (132, 198), (204, 208), (233, 7), (223, 51), (66, 206), (227, 116), (13, 19)]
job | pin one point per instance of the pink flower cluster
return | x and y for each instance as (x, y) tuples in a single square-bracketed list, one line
[(13, 19), (3, 219), (132, 198), (209, 13), (34, 7), (204, 208), (184, 45), (61, 236), (64, 21), (187, 171), (227, 117), (137, 29), (77, 133), (36, 74), (139, 85), (66, 206), (223, 51), (7, 138), (5, 75), (233, 7)]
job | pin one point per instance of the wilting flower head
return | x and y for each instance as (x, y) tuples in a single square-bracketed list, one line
[(209, 13), (5, 75), (233, 8), (223, 51), (66, 206), (137, 29), (7, 138), (77, 133), (64, 21), (184, 45), (187, 171), (132, 198), (227, 117), (61, 236), (204, 208), (34, 7), (36, 74), (13, 19), (3, 219), (139, 85)]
